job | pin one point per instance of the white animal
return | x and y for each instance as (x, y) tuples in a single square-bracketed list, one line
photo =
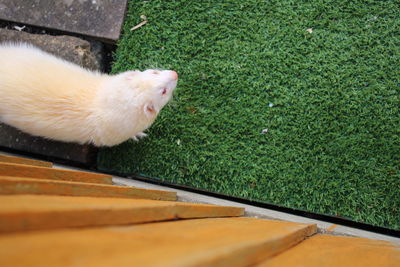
[(46, 96)]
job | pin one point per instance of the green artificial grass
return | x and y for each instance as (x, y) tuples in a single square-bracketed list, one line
[(330, 100)]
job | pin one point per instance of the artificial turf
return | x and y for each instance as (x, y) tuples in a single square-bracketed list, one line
[(321, 78)]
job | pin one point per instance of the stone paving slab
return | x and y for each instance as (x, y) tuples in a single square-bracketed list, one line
[(70, 48), (96, 18), (11, 138)]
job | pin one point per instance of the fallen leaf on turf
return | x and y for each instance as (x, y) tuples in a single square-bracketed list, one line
[(309, 30), (139, 25)]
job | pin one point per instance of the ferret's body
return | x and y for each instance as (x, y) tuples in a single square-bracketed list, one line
[(47, 96)]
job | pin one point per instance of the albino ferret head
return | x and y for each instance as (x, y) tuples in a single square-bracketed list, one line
[(129, 102), (151, 89)]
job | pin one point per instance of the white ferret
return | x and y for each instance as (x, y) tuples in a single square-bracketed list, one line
[(46, 96)]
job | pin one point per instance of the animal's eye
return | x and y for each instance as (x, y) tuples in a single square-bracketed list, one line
[(164, 91)]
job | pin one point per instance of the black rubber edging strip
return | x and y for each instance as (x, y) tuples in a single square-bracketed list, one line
[(302, 213)]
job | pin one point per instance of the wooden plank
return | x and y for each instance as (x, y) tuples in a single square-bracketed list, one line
[(328, 250), (190, 210), (198, 242), (19, 160), (17, 170), (16, 185), (33, 212)]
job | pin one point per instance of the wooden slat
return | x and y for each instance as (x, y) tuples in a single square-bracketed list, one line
[(15, 185), (200, 242), (17, 170), (191, 210), (33, 212), (19, 160), (327, 250)]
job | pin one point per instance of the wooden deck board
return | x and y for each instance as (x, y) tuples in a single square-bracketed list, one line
[(333, 251), (35, 212), (17, 170), (199, 242), (26, 161), (16, 185)]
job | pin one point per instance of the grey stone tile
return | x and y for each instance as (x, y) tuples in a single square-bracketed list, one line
[(97, 18)]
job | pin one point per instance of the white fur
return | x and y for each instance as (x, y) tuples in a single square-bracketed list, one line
[(50, 97)]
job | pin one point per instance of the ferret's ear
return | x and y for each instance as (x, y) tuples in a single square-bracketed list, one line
[(149, 109)]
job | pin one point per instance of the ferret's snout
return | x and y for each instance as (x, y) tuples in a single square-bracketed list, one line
[(174, 75)]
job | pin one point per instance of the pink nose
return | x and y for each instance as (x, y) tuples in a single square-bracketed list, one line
[(174, 75)]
